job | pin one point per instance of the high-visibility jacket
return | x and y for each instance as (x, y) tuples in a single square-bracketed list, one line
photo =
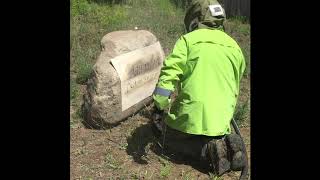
[(206, 67)]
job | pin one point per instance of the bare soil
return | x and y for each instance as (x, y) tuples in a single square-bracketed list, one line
[(128, 151)]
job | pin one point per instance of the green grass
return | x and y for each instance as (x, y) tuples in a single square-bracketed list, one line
[(111, 162), (242, 111), (241, 33), (242, 19), (92, 19), (165, 169), (84, 69), (214, 177), (89, 23), (74, 90), (187, 175)]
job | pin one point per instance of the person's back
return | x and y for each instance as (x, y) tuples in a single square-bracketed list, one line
[(210, 82)]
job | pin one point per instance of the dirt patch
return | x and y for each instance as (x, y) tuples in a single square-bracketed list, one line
[(127, 151)]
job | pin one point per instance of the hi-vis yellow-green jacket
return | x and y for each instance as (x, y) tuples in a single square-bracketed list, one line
[(206, 65)]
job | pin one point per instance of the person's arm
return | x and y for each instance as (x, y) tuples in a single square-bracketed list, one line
[(170, 74)]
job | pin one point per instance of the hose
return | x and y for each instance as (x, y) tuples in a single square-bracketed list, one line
[(245, 169)]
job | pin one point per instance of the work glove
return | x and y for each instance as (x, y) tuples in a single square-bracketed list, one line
[(157, 119), (157, 115), (162, 104)]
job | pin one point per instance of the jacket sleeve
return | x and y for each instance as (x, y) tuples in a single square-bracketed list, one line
[(171, 73)]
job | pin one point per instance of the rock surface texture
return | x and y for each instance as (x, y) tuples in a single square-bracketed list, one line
[(123, 77)]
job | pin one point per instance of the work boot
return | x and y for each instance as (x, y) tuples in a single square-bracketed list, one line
[(237, 161), (217, 151), (236, 151)]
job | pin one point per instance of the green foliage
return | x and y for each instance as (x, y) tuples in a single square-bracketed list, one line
[(241, 19), (241, 112), (79, 7), (84, 70), (111, 162), (74, 91), (165, 168)]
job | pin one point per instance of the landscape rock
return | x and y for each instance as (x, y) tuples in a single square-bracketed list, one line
[(107, 93)]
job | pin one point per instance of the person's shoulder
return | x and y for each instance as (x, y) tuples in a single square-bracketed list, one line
[(196, 34)]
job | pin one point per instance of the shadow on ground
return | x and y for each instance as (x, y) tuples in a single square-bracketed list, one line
[(143, 140)]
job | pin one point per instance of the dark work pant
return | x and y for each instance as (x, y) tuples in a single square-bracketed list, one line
[(183, 143)]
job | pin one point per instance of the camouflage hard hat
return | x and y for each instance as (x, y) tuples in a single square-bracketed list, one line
[(204, 14)]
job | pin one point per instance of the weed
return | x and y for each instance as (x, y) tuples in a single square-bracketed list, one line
[(165, 169), (186, 176), (73, 124), (241, 112), (123, 146), (134, 176), (111, 162), (214, 177), (79, 7), (241, 19), (84, 70), (74, 90)]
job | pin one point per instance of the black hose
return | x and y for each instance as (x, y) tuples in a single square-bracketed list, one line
[(245, 169)]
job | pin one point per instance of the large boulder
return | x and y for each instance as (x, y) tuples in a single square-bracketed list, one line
[(123, 77)]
